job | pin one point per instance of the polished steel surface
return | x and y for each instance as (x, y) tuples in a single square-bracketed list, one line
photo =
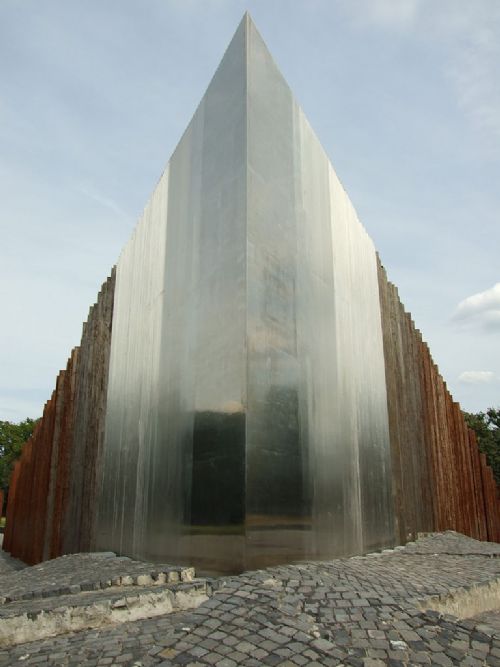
[(318, 456), (174, 471), (247, 416)]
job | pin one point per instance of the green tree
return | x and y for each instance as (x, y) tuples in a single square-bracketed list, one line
[(487, 428), (12, 439)]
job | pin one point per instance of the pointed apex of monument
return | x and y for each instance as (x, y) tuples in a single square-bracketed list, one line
[(247, 18), (247, 24)]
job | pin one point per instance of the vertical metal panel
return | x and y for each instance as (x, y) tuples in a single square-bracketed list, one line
[(133, 378), (318, 458), (173, 482), (276, 484), (200, 465), (360, 382)]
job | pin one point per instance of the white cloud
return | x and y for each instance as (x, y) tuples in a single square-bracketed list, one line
[(468, 31), (481, 309), (383, 13), (476, 377), (474, 73)]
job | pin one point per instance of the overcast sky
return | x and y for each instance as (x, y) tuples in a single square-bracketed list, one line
[(403, 94)]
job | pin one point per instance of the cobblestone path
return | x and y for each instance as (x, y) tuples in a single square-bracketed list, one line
[(363, 611)]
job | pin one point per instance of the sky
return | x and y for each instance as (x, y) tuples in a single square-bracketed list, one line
[(404, 95)]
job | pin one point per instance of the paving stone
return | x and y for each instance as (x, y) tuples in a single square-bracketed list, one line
[(441, 659), (323, 644), (420, 658), (272, 659), (288, 615)]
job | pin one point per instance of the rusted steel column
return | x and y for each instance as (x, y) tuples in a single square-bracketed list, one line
[(22, 523), (61, 460), (32, 547), (406, 407), (478, 486), (90, 391), (439, 480), (492, 503), (53, 487)]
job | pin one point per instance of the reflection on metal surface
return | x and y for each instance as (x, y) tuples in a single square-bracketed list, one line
[(258, 371), (248, 283), (174, 464)]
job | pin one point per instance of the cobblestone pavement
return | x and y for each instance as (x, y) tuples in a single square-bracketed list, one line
[(84, 572), (361, 611), (489, 618)]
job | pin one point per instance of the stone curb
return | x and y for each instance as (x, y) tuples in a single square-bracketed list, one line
[(70, 613)]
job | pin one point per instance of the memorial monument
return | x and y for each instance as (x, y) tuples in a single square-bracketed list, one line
[(249, 389)]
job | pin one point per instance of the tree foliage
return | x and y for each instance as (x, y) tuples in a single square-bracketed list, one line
[(12, 439), (487, 428)]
